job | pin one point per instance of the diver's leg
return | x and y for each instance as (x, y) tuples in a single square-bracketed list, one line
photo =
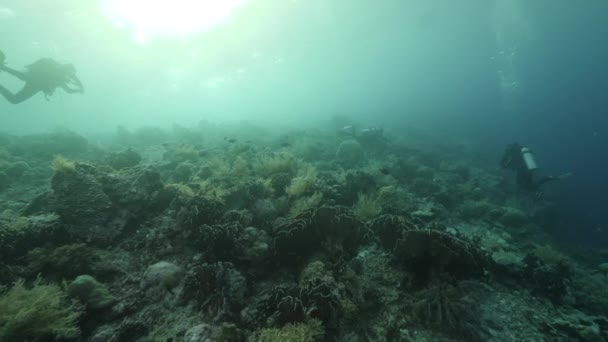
[(13, 72), (20, 96), (543, 181), (7, 94)]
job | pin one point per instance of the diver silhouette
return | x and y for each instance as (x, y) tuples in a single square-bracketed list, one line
[(520, 159), (45, 75)]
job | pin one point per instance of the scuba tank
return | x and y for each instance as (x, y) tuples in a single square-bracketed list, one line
[(348, 131), (528, 159)]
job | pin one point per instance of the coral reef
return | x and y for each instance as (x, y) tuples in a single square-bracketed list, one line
[(232, 234), (332, 230), (428, 254)]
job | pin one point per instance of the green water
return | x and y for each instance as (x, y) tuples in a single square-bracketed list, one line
[(289, 170), (272, 62)]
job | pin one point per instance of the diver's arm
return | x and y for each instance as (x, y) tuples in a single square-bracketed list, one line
[(70, 90), (13, 72), (543, 181)]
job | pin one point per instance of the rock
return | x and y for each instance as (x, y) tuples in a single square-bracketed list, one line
[(82, 203), (19, 234), (93, 293), (162, 273), (124, 159), (507, 258), (47, 145), (17, 169), (183, 171), (96, 204), (512, 217), (426, 252)]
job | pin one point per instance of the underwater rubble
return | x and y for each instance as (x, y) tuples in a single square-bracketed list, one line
[(186, 235)]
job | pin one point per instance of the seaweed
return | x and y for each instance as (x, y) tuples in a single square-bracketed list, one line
[(36, 313)]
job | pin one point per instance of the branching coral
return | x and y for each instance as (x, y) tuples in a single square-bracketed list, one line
[(212, 191), (305, 203), (282, 162), (315, 298), (181, 191), (367, 207), (35, 314), (62, 165), (303, 182), (309, 331), (453, 309), (240, 168)]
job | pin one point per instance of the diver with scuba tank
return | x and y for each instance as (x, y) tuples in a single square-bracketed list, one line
[(43, 76), (521, 160)]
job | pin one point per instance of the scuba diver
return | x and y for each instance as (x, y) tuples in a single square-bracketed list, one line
[(365, 136), (371, 139), (45, 75), (521, 160)]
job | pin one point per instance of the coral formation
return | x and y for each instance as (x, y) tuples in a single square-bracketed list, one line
[(308, 331), (333, 230), (91, 292), (36, 313), (432, 253), (209, 233), (124, 159)]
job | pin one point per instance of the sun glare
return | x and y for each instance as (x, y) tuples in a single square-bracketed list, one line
[(169, 18)]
